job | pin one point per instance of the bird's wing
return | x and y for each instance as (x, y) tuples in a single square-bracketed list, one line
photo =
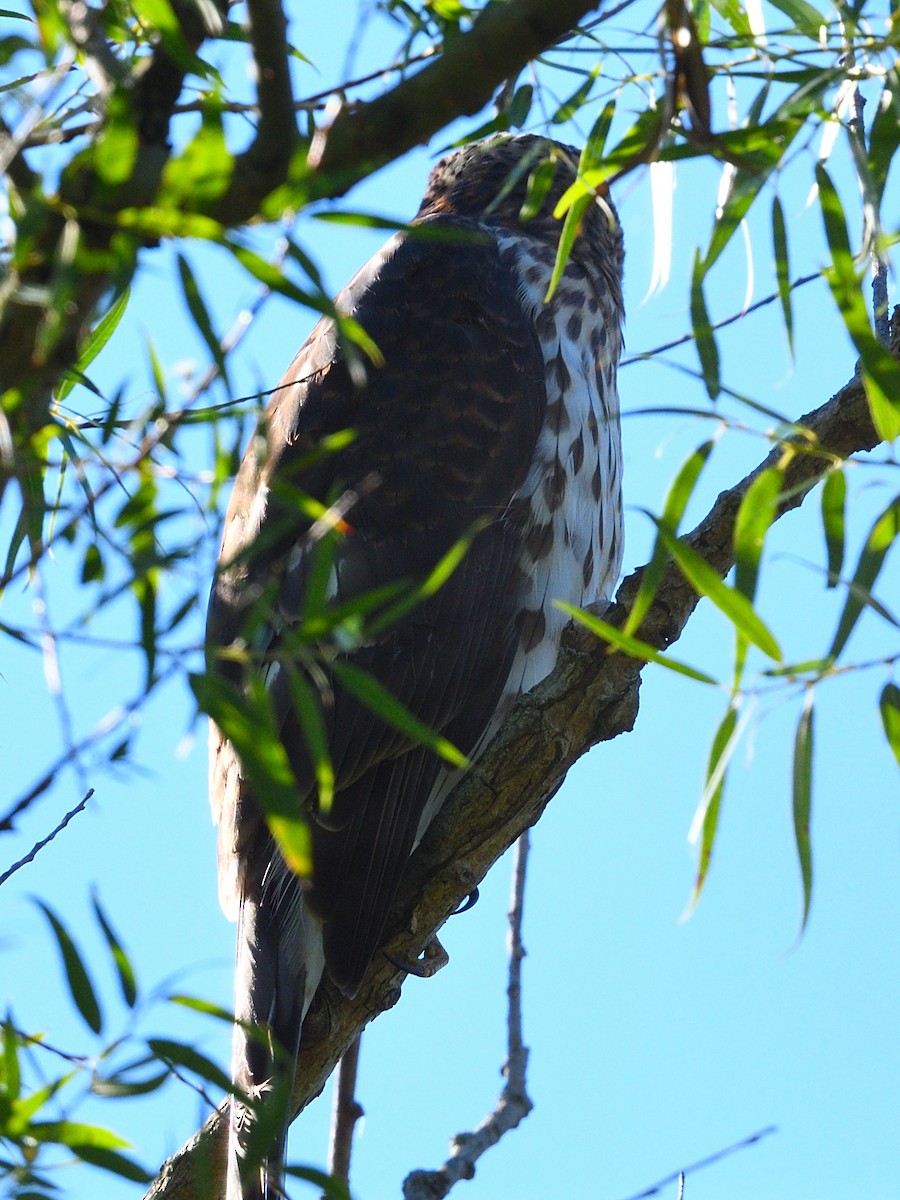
[(445, 432)]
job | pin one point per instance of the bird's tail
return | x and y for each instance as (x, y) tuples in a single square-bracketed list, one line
[(278, 968)]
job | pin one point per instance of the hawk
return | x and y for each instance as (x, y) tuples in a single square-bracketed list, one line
[(489, 415)]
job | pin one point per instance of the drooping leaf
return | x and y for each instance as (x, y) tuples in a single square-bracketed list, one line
[(802, 799), (806, 19), (706, 819), (182, 1055), (881, 537), (115, 1162), (704, 336), (677, 498), (783, 270), (706, 581), (79, 981), (834, 501), (631, 646), (121, 961), (94, 343), (198, 310), (881, 371), (312, 727), (758, 510), (377, 697), (889, 705)]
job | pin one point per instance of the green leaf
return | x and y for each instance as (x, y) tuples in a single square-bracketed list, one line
[(706, 819), (158, 16), (571, 226), (115, 151), (834, 502), (182, 1055), (702, 328), (575, 102), (376, 697), (94, 343), (881, 537), (114, 1162), (884, 135), (12, 1079), (76, 1135), (120, 1087), (783, 270), (121, 961), (706, 582), (80, 986), (631, 646), (312, 726), (881, 371), (203, 171), (735, 14), (758, 510), (677, 498), (807, 20), (248, 721), (802, 799), (889, 704), (331, 1188), (200, 314)]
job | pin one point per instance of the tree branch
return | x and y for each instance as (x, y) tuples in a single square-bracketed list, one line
[(514, 1104), (592, 696)]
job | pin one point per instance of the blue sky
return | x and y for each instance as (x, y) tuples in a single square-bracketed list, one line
[(655, 1041)]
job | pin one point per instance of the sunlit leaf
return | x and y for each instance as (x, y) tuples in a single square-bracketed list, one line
[(632, 646), (802, 799), (312, 727), (706, 581), (115, 1162), (331, 1188), (567, 110), (889, 705), (881, 370), (377, 697), (758, 510), (884, 134), (571, 227), (94, 343), (834, 502), (198, 310), (115, 152), (805, 18), (680, 492), (706, 819), (80, 986)]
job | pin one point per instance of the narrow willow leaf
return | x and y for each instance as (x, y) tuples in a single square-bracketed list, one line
[(182, 1055), (200, 313), (115, 1162), (677, 498), (575, 102), (807, 20), (331, 1188), (94, 343), (80, 986), (834, 503), (783, 270), (881, 371), (115, 151), (881, 537), (631, 646), (704, 336), (76, 1134), (758, 510), (706, 820), (377, 697), (639, 142), (884, 135), (570, 229), (12, 1079), (889, 704), (802, 799), (705, 580), (121, 961), (248, 721), (120, 1086), (312, 726)]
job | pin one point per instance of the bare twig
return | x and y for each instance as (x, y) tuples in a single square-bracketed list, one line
[(345, 1113), (38, 846), (514, 1104), (738, 316), (710, 1160)]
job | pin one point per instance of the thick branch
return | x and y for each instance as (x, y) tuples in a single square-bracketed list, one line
[(503, 39), (592, 696)]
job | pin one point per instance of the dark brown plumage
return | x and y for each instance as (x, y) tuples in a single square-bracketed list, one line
[(493, 417)]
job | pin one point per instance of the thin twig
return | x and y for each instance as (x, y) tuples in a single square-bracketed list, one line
[(38, 846), (745, 312), (514, 1104), (346, 1112), (701, 1163)]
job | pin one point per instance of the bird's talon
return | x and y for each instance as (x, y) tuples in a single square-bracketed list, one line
[(470, 901), (434, 958)]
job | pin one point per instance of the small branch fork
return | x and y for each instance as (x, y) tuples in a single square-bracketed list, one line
[(514, 1104)]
